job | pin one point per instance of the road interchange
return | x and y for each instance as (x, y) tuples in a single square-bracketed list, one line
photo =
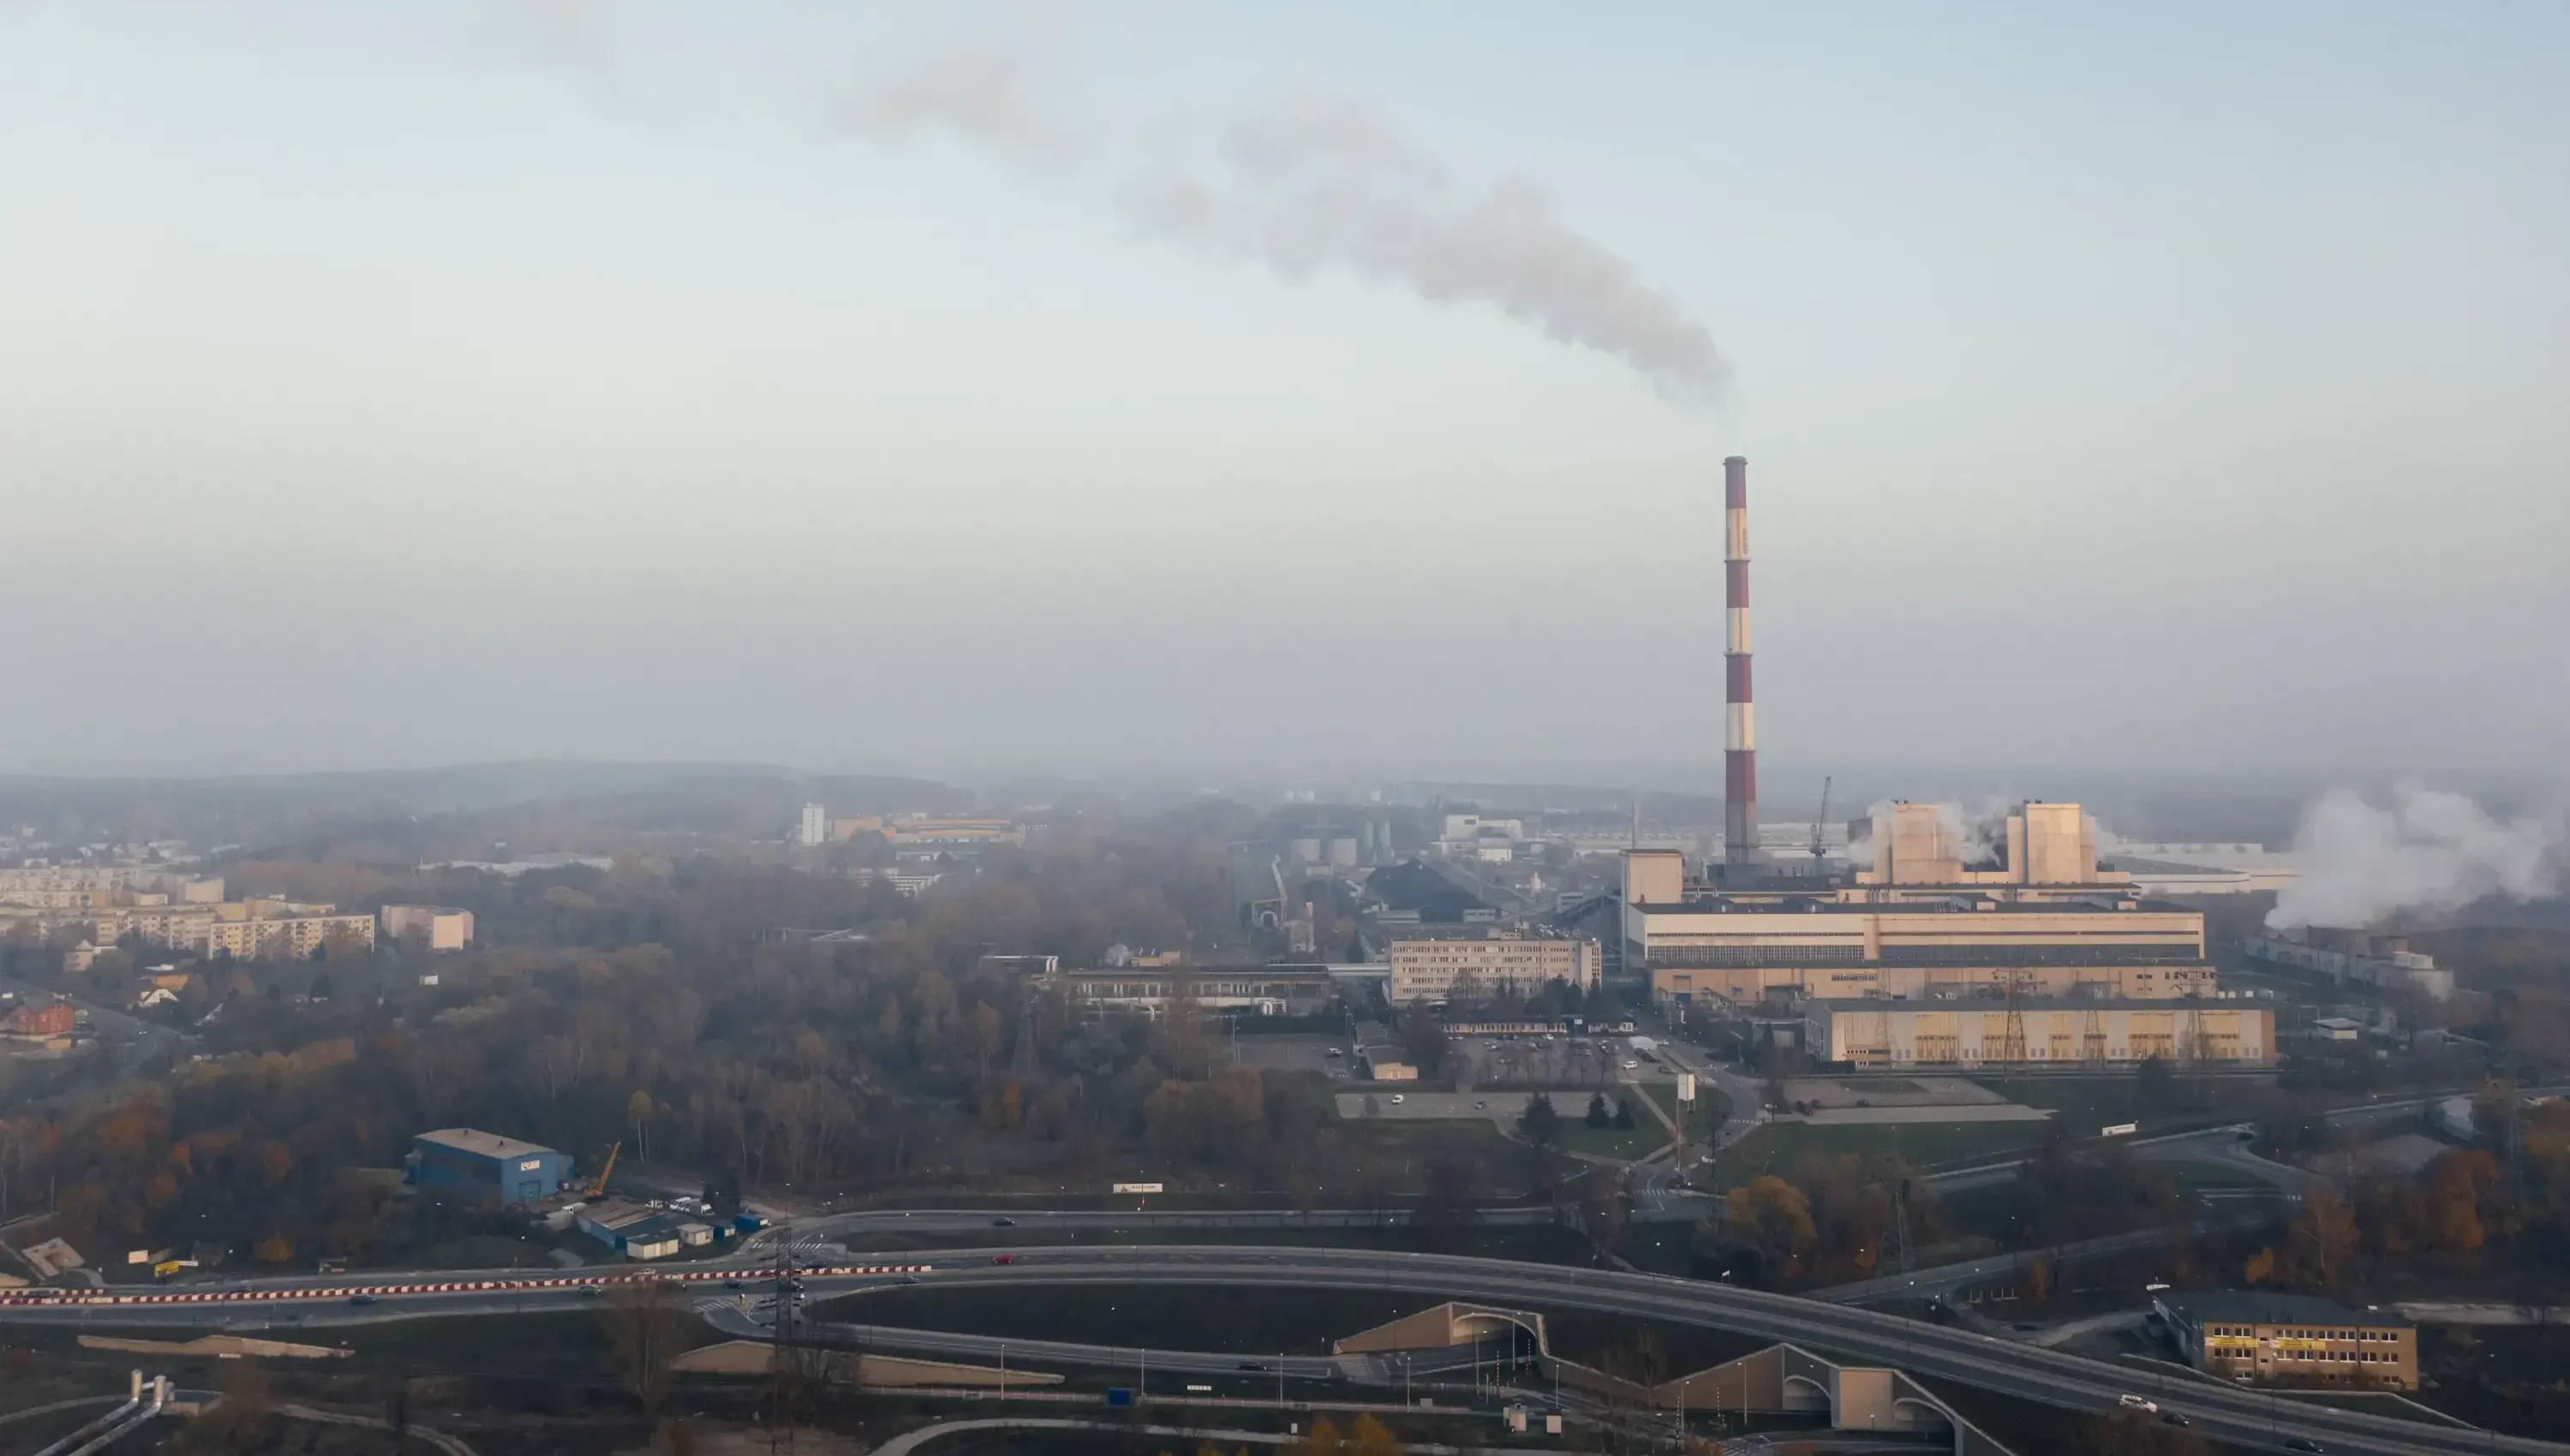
[(2051, 1376)]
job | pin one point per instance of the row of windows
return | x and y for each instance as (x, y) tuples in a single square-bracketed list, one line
[(2251, 1331), (1784, 957)]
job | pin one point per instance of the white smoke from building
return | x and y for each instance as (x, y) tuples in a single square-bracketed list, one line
[(2426, 851), (1307, 188)]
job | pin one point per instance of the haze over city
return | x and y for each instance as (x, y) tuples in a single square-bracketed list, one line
[(985, 389)]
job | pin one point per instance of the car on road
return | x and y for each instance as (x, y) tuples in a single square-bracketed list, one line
[(1004, 1259), (1336, 1052), (1397, 1099), (590, 1292), (2136, 1402), (732, 1285), (1477, 1106), (1630, 1064), (2303, 1443), (361, 1298), (1252, 1366), (1004, 1223), (2172, 1418)]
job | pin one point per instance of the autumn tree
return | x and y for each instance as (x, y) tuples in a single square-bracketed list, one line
[(1773, 1217), (2322, 1242)]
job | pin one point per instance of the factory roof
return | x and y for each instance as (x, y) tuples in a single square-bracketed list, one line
[(2021, 1003), (488, 1145), (2257, 1307), (1947, 903)]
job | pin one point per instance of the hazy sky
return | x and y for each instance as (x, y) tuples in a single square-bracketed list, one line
[(397, 383)]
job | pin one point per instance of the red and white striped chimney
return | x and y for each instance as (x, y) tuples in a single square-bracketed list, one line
[(1740, 732)]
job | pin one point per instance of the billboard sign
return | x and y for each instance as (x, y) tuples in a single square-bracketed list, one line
[(1138, 1188), (2119, 1130)]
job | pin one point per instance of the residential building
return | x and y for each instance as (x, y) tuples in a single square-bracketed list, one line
[(434, 926), (465, 1165), (2300, 1340), (815, 828), (1434, 969), (926, 829), (1993, 1031)]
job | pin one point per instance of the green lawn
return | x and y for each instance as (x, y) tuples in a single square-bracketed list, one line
[(1776, 1147), (1642, 1140)]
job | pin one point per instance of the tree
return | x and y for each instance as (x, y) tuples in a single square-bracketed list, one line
[(1321, 1440), (2456, 1184), (1540, 1125), (1370, 1437), (1599, 1116), (647, 1327), (2154, 1084), (1774, 1218), (2320, 1241), (238, 1422), (637, 1113), (1623, 1115)]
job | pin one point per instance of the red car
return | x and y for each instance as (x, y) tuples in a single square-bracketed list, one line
[(1004, 1259)]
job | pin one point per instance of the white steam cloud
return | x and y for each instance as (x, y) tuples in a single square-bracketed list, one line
[(2427, 849), (1303, 189)]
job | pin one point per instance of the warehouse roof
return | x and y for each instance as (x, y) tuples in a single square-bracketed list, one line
[(1936, 900), (2025, 1003), (488, 1145), (2257, 1307)]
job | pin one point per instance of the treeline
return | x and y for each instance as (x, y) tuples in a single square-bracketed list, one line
[(2501, 1207), (907, 1055)]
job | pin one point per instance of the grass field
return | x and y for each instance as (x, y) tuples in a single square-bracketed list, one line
[(1776, 1147), (1645, 1138)]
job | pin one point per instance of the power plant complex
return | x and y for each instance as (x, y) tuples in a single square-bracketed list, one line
[(1947, 944)]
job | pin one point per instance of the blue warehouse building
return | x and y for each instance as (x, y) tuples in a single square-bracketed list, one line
[(464, 1165)]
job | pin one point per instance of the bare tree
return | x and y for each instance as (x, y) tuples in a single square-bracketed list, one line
[(647, 1327)]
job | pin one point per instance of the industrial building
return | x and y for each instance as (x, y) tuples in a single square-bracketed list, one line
[(2384, 962), (1435, 968), (2012, 1031), (1919, 922), (2290, 1338), (433, 926), (464, 1165), (1256, 990), (638, 1231)]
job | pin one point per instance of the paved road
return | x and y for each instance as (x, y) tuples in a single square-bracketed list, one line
[(2221, 1413), (833, 1228)]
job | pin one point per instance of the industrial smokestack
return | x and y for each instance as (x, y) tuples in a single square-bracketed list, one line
[(1740, 734)]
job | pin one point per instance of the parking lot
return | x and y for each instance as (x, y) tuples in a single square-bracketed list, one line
[(1499, 1107), (1292, 1053)]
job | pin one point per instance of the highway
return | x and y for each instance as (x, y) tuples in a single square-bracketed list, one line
[(2218, 1411)]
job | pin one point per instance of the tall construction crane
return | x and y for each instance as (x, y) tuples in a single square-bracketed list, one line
[(597, 1189), (1821, 823)]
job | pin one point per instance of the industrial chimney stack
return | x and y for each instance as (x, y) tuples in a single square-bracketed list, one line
[(1740, 737)]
